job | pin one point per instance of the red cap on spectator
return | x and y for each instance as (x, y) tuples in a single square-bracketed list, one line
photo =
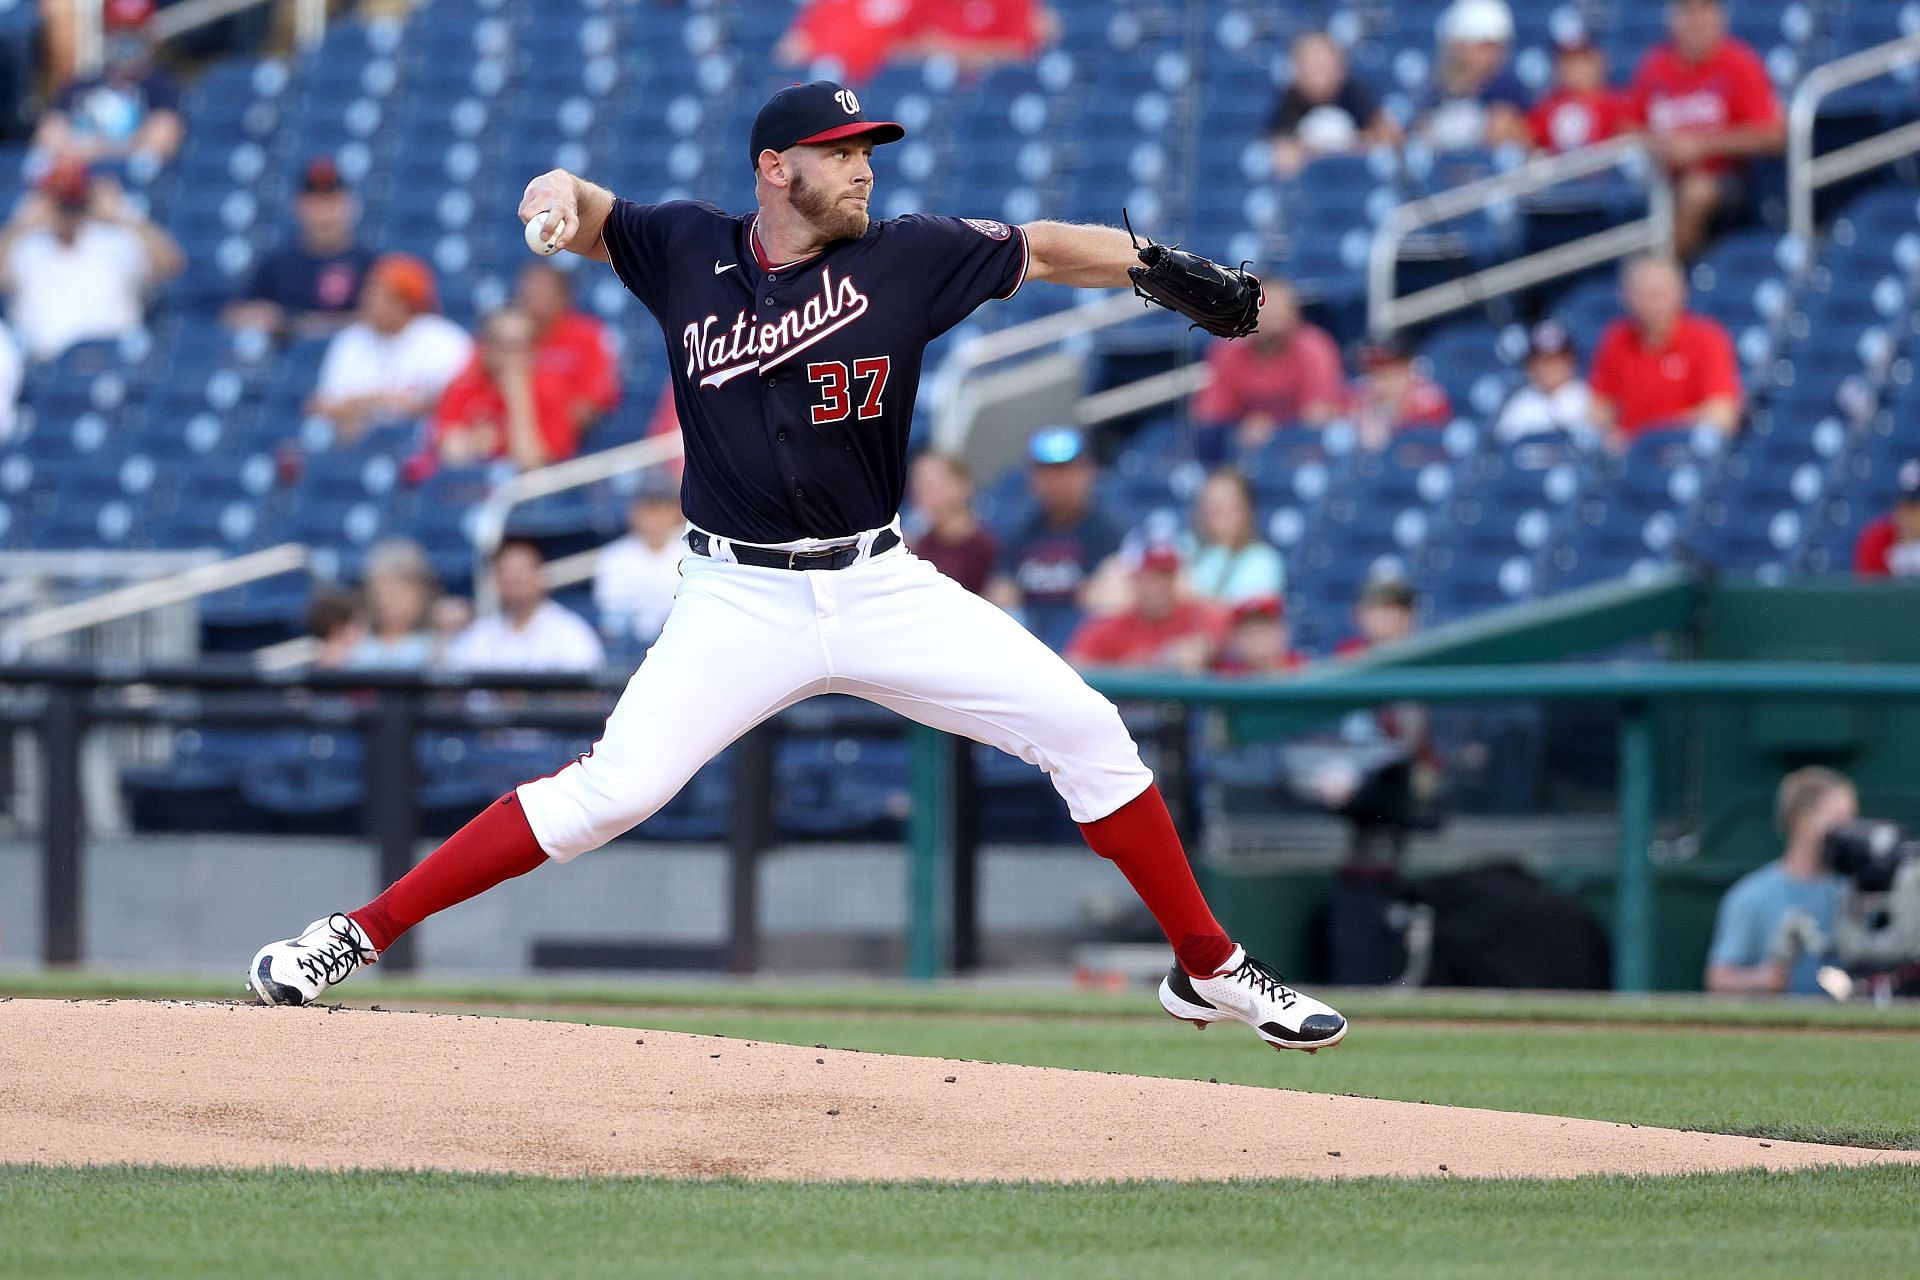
[(409, 277), (1259, 607), (1160, 559), (322, 177), (126, 15), (67, 183)]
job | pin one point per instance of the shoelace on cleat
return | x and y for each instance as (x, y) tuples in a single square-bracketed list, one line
[(1263, 979), (332, 961)]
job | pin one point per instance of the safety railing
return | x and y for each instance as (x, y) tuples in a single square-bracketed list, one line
[(145, 597), (1808, 173), (309, 24), (1387, 313), (490, 526)]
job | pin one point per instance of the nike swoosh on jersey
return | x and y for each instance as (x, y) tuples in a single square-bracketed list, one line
[(718, 267)]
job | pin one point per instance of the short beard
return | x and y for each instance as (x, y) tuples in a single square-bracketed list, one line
[(828, 216)]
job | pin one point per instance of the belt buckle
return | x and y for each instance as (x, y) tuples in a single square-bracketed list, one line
[(814, 553)]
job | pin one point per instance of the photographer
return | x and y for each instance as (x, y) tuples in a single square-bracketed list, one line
[(1811, 802)]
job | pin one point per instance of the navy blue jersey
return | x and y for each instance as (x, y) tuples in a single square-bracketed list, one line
[(795, 384)]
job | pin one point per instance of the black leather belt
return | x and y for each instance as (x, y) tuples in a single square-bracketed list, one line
[(819, 558)]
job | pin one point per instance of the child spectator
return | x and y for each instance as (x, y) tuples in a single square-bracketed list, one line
[(1159, 630), (1325, 109), (1580, 109), (1661, 365), (391, 364), (636, 576), (1392, 394), (309, 288), (1260, 642), (1889, 547), (1232, 563), (1474, 101), (1287, 373), (503, 405), (1554, 397), (334, 619), (78, 261), (946, 533), (1709, 108), (569, 346)]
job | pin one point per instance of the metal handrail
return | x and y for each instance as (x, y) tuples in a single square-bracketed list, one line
[(490, 525), (1387, 313), (1807, 173), (1146, 393), (144, 597), (1099, 312)]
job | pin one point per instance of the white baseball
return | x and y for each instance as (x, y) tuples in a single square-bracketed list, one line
[(537, 234)]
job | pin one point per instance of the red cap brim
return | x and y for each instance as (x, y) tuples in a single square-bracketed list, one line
[(887, 129)]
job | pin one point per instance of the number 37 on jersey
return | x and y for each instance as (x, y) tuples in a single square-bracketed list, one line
[(844, 392)]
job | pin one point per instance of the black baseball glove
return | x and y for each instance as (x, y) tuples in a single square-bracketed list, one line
[(1225, 301)]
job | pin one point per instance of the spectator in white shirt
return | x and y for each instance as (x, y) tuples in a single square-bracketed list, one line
[(78, 260), (635, 577), (531, 632), (1555, 398), (392, 363)]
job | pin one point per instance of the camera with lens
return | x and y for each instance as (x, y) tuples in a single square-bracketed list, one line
[(1876, 933)]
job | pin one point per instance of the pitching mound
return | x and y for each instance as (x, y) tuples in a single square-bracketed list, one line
[(219, 1084)]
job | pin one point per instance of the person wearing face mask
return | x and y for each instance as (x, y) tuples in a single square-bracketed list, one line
[(1325, 109), (1475, 99), (127, 111)]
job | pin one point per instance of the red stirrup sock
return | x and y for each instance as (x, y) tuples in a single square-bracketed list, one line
[(497, 845), (1139, 838)]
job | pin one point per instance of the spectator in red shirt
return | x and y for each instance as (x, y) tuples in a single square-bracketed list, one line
[(1260, 642), (1709, 107), (1286, 374), (570, 346), (1889, 547), (1582, 108), (503, 405), (1392, 394), (946, 532), (1160, 630), (1661, 365)]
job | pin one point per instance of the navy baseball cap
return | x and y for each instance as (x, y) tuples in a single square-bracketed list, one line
[(1055, 445), (819, 111)]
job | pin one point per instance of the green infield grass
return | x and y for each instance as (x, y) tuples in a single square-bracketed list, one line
[(205, 1225)]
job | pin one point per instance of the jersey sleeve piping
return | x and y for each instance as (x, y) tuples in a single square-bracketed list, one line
[(1026, 261)]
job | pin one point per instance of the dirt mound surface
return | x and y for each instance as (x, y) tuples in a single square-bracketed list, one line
[(221, 1084)]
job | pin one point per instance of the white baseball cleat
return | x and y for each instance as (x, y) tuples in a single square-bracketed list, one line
[(299, 970), (1244, 990)]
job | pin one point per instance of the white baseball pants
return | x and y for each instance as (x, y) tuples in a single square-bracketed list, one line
[(743, 642)]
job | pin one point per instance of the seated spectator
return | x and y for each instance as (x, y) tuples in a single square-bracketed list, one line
[(334, 618), (129, 111), (78, 261), (1287, 373), (1325, 109), (946, 533), (569, 345), (1661, 365), (1384, 614), (1390, 780), (1391, 394), (531, 632), (401, 593), (1581, 108), (636, 576), (1050, 562), (1554, 398), (393, 362), (1232, 563), (1159, 630), (309, 288), (503, 405), (1889, 547), (1259, 641), (1748, 953), (1474, 100), (1709, 108)]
